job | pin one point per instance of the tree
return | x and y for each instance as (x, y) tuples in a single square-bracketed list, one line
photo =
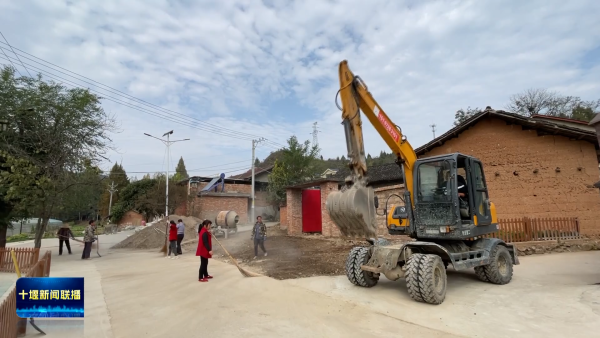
[(462, 115), (297, 165), (256, 162), (180, 171), (583, 113), (118, 176), (545, 102), (54, 134)]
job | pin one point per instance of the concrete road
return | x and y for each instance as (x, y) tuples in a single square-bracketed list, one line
[(131, 293), (550, 296)]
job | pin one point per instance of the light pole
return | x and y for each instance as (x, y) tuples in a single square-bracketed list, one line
[(254, 144), (167, 143)]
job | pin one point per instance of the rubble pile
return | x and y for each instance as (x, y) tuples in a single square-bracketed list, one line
[(153, 236)]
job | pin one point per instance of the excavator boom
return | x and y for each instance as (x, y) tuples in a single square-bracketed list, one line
[(353, 208)]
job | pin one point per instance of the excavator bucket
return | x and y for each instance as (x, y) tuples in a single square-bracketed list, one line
[(353, 211)]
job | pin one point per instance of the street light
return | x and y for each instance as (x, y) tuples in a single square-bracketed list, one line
[(168, 143)]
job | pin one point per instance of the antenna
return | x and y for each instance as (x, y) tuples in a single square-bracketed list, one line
[(433, 129), (315, 135)]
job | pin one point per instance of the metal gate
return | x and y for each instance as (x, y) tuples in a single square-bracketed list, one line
[(311, 210)]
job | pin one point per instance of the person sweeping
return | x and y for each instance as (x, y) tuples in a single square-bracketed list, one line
[(173, 240), (204, 250), (64, 233)]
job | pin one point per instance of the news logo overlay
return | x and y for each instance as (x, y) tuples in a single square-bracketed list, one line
[(50, 297)]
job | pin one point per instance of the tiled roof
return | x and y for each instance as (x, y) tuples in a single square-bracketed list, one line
[(376, 174), (543, 125), (248, 174)]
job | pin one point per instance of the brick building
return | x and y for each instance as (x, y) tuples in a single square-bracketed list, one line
[(306, 212), (537, 167), (236, 196)]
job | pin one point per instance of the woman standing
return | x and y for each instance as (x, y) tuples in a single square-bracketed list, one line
[(173, 240), (64, 233), (204, 250)]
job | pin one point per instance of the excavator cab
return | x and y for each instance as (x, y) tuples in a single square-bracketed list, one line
[(451, 198)]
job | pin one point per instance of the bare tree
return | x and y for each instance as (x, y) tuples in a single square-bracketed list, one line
[(532, 102)]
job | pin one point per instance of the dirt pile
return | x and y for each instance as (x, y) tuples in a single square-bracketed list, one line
[(153, 236)]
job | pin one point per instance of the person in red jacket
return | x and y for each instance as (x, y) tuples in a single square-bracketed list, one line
[(204, 250), (172, 240)]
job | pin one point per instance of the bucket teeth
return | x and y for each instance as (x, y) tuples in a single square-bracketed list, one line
[(353, 211)]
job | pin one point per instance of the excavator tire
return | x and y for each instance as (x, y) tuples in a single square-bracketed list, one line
[(426, 278), (500, 269), (358, 256), (480, 273)]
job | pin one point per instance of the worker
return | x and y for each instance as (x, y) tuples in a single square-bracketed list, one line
[(462, 186), (259, 234), (88, 239), (204, 250), (63, 234), (180, 235), (172, 240)]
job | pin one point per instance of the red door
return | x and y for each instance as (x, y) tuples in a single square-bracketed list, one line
[(311, 210)]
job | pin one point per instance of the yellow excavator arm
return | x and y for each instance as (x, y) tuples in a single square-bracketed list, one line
[(354, 94), (353, 209)]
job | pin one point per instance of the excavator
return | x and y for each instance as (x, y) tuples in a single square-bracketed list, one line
[(445, 210)]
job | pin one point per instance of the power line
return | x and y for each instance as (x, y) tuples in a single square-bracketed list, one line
[(177, 120), (13, 65), (11, 48), (214, 128)]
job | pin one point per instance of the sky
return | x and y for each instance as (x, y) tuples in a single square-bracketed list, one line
[(222, 73)]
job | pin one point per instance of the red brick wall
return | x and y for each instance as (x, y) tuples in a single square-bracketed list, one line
[(329, 227), (240, 188), (207, 207), (506, 149), (282, 217), (294, 211), (131, 218)]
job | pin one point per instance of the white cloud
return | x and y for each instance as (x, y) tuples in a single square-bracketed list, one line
[(226, 62)]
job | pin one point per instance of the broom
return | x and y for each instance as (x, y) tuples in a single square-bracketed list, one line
[(244, 272)]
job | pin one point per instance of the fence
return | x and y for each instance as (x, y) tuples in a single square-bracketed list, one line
[(10, 324), (42, 267), (8, 314), (26, 258), (537, 229)]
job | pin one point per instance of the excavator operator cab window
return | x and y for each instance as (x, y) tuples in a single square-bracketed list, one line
[(434, 182)]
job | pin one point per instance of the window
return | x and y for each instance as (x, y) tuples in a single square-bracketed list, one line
[(434, 182), (481, 192)]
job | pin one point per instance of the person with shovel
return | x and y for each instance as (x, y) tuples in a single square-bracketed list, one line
[(63, 234), (204, 250), (259, 234), (88, 239)]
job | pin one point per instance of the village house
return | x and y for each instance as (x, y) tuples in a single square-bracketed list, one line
[(212, 195), (536, 167)]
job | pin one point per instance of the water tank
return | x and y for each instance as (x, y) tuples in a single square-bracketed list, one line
[(227, 219)]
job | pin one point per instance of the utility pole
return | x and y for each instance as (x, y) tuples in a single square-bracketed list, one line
[(167, 143), (315, 135), (433, 129), (254, 144), (111, 190)]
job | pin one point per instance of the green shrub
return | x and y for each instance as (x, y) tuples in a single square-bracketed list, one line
[(17, 238)]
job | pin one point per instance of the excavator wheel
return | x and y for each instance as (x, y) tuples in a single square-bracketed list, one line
[(358, 256), (480, 273), (500, 269), (426, 278)]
